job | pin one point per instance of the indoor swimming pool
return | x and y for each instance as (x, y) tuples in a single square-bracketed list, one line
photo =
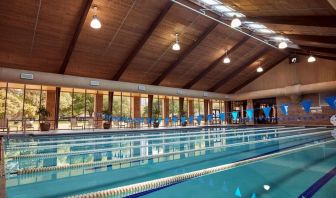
[(200, 162)]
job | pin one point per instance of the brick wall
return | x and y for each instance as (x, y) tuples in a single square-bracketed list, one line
[(298, 116)]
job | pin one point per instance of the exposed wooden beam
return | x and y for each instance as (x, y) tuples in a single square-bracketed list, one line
[(319, 49), (313, 38), (239, 69), (318, 21), (214, 64), (269, 67), (143, 40), (185, 53), (75, 36), (332, 3)]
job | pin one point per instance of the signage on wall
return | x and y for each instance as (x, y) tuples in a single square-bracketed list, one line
[(293, 59), (179, 91), (94, 83), (141, 88), (27, 76)]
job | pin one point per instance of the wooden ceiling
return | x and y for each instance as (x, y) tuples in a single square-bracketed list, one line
[(134, 43)]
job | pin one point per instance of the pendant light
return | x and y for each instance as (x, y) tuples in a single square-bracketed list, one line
[(226, 59), (95, 23), (176, 46), (260, 69), (236, 22), (282, 45), (311, 59)]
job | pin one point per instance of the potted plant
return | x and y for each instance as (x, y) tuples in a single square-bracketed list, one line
[(156, 114), (44, 114), (107, 119), (183, 114)]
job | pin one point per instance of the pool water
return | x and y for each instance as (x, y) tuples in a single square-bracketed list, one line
[(66, 165)]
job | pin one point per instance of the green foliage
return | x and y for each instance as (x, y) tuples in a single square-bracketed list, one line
[(43, 112), (156, 112)]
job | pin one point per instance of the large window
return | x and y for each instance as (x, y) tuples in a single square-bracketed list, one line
[(19, 104), (144, 106), (126, 105), (116, 108), (173, 106), (3, 87)]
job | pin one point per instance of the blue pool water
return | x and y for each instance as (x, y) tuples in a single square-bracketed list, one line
[(66, 165)]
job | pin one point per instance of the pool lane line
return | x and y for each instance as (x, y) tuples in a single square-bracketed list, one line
[(45, 143), (168, 138), (151, 133), (83, 152), (128, 190), (314, 188), (270, 152), (107, 162)]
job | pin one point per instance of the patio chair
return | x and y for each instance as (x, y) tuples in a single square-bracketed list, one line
[(92, 123), (74, 123), (4, 124)]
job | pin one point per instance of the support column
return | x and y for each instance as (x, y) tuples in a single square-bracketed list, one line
[(206, 109), (249, 105), (110, 102), (181, 101), (99, 106), (57, 102), (51, 107), (210, 106), (136, 107), (191, 107), (150, 106), (166, 107)]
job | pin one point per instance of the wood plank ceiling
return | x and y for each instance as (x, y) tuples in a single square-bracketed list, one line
[(134, 43)]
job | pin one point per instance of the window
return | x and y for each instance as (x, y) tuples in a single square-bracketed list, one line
[(144, 106)]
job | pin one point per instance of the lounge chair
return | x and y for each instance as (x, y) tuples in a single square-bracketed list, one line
[(92, 123), (74, 123), (4, 124)]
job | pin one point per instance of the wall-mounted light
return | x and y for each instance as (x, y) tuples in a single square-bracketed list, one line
[(176, 46), (95, 22)]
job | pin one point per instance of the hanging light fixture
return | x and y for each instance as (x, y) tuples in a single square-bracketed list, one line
[(236, 22), (311, 59), (176, 46), (260, 69), (226, 59), (282, 45), (95, 23)]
